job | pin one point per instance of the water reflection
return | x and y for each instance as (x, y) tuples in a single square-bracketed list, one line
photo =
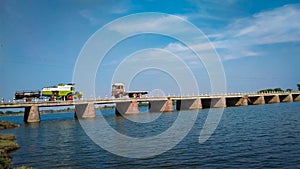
[(252, 137)]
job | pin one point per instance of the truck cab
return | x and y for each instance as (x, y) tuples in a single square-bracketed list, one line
[(118, 90)]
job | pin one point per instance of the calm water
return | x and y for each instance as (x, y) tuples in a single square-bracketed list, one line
[(263, 136)]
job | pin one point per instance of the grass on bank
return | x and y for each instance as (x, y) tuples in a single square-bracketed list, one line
[(7, 145)]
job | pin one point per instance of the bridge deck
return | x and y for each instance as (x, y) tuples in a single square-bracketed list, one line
[(120, 100)]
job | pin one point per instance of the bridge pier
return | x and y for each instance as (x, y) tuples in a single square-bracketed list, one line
[(237, 101), (85, 110), (286, 98), (189, 104), (130, 107), (161, 105), (218, 102), (296, 97), (214, 102), (255, 100), (272, 99), (32, 114)]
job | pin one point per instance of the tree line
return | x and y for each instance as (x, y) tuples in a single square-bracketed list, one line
[(277, 90)]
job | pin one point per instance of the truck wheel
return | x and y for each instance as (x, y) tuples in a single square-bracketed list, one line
[(69, 97)]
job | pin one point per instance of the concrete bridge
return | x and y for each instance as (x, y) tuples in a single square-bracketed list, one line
[(86, 108)]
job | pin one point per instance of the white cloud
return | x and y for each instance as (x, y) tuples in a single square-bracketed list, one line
[(148, 23), (275, 26), (89, 16), (120, 7), (176, 47), (186, 53), (180, 48), (279, 25), (94, 14), (211, 9), (243, 35), (181, 51)]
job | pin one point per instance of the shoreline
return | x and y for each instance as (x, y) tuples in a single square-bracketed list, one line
[(8, 145)]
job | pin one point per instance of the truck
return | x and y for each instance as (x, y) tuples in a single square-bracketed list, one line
[(61, 91), (118, 91), (28, 95)]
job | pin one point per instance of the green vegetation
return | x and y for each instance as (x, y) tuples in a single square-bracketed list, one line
[(4, 159), (143, 104), (9, 112), (277, 90), (7, 125), (7, 145)]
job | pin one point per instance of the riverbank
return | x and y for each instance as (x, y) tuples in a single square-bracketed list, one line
[(8, 145)]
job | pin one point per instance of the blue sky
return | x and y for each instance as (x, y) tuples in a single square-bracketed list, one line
[(258, 42)]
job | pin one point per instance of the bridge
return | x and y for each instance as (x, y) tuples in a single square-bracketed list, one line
[(86, 108)]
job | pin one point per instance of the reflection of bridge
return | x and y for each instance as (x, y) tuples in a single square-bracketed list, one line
[(86, 109)]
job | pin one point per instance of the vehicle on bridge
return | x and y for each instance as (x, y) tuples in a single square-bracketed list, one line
[(118, 91), (61, 91), (27, 95)]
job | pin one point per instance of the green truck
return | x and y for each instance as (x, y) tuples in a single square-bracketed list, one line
[(61, 91)]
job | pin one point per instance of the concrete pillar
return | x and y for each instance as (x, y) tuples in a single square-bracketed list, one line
[(161, 105), (286, 98), (254, 100), (296, 97), (213, 102), (85, 110), (236, 101), (272, 99), (189, 104), (243, 101), (32, 114), (129, 107), (169, 106), (218, 102)]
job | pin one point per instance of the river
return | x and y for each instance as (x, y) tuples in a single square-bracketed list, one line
[(260, 136)]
